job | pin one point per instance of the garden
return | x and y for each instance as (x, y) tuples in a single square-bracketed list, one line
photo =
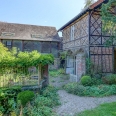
[(15, 74), (93, 87), (21, 68)]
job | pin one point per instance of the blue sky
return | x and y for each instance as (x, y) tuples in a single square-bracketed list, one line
[(40, 12)]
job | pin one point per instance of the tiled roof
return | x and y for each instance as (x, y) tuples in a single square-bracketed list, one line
[(28, 32)]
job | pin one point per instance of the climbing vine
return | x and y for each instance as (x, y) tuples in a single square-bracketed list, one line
[(22, 59), (108, 13)]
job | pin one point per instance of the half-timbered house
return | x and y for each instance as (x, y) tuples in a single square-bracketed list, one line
[(83, 38)]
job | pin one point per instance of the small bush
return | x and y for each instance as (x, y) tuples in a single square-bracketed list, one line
[(25, 96), (51, 93), (8, 98), (111, 79), (95, 90), (70, 87), (61, 71), (86, 80), (96, 81), (56, 73), (43, 103)]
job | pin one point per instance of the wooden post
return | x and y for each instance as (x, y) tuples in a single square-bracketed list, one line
[(39, 74), (46, 75)]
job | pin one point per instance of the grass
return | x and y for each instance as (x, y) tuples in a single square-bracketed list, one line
[(56, 73), (107, 109)]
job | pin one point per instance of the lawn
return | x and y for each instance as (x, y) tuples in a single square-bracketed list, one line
[(107, 109)]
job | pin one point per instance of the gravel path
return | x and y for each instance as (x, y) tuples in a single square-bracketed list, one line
[(71, 104)]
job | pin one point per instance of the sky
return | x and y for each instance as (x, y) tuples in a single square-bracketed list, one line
[(40, 12)]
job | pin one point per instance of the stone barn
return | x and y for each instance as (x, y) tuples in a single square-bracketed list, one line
[(83, 39)]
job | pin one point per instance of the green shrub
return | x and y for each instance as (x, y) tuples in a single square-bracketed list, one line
[(25, 96), (43, 103), (111, 79), (86, 80), (96, 81), (51, 93), (56, 73), (8, 98), (95, 90), (70, 87), (61, 71), (41, 111)]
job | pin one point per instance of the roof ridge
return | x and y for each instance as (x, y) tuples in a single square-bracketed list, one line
[(25, 24)]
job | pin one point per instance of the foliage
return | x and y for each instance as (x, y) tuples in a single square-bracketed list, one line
[(110, 79), (8, 98), (86, 80), (56, 73), (51, 92), (23, 59), (88, 3), (109, 20), (107, 109), (89, 67), (63, 55), (25, 96), (96, 81), (43, 103), (95, 90), (15, 65), (41, 111)]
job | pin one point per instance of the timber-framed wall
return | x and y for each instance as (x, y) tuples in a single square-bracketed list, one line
[(101, 55)]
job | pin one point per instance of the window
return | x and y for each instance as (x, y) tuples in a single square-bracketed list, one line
[(28, 46), (54, 49), (36, 36), (72, 32), (46, 47), (8, 34), (17, 44), (7, 43), (70, 65)]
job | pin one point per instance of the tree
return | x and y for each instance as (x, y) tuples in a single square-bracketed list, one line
[(88, 3), (108, 12)]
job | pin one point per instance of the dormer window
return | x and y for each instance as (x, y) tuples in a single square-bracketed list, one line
[(7, 34), (72, 32), (36, 36)]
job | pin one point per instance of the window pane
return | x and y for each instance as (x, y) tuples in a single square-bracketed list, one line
[(46, 47), (28, 46), (18, 44), (54, 49), (7, 43), (37, 46)]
